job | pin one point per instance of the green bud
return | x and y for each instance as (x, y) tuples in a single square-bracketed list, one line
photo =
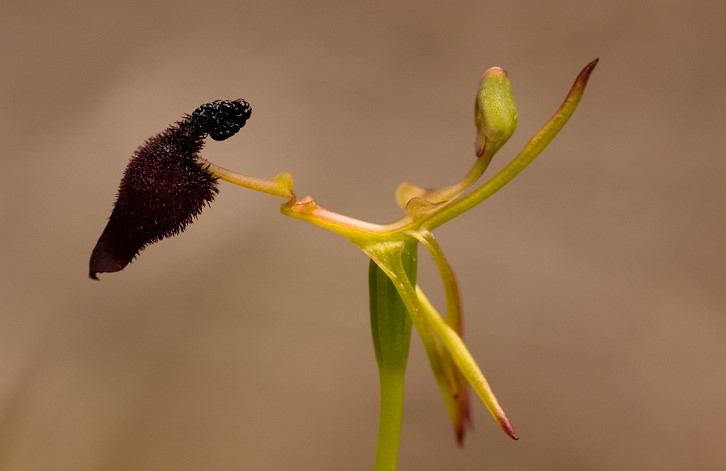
[(495, 112)]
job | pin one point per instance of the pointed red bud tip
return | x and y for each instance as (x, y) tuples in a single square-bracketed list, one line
[(507, 427), (466, 422), (584, 75), (163, 188)]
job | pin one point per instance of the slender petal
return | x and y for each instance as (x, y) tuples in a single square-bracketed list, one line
[(466, 363)]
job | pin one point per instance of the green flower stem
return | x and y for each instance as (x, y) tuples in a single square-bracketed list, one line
[(391, 329), (390, 419)]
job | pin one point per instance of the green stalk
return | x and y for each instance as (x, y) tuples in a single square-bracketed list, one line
[(391, 329)]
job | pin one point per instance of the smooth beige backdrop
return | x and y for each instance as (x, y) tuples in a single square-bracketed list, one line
[(593, 285)]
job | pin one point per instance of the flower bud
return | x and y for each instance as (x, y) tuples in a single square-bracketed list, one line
[(495, 112)]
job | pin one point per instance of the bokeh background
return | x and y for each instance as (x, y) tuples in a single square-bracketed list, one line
[(593, 285)]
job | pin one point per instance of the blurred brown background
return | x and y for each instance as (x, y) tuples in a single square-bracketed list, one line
[(593, 285)]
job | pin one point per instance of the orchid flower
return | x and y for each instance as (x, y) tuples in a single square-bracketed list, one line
[(167, 183)]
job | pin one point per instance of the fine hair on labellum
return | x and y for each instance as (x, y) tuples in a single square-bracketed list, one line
[(163, 188)]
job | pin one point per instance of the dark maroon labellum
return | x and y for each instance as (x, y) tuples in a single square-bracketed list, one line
[(163, 188)]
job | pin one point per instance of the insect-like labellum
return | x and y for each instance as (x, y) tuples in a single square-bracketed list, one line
[(221, 119), (164, 188)]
